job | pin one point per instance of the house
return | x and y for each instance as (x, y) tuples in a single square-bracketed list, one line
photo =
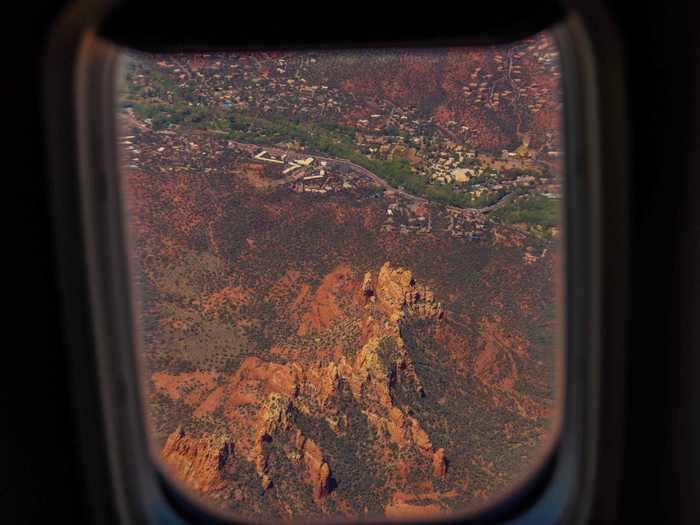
[(261, 156), (291, 168)]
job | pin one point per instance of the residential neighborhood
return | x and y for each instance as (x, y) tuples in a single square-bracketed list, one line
[(283, 112)]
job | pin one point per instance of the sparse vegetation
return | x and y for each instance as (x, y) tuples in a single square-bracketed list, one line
[(204, 235)]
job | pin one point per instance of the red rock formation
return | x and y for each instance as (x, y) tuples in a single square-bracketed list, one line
[(319, 472), (439, 463), (198, 461), (191, 387), (261, 398), (396, 289), (325, 308)]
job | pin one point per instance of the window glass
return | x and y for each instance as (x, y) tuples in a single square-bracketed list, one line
[(347, 274)]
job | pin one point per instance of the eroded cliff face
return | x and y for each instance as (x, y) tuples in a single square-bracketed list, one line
[(439, 463), (200, 462), (260, 405)]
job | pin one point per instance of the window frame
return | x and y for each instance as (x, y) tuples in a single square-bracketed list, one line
[(94, 270)]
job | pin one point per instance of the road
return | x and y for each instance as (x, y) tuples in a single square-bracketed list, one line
[(367, 173)]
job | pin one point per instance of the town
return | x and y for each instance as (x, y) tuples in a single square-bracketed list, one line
[(166, 151), (280, 111)]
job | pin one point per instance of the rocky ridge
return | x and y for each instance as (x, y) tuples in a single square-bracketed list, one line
[(261, 402)]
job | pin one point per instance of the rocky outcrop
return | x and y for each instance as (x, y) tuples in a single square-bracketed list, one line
[(274, 418), (319, 472), (400, 295), (276, 415), (399, 298), (439, 463), (325, 307), (371, 377), (262, 400), (199, 461), (277, 425), (367, 290)]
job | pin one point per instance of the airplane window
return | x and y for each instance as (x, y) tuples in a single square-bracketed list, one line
[(348, 274)]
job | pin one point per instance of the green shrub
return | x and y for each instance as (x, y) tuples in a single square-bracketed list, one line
[(532, 210)]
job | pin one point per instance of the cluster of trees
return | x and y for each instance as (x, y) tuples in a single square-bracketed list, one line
[(533, 210), (163, 114), (446, 195)]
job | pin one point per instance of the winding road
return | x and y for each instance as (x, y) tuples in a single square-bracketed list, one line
[(367, 173)]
